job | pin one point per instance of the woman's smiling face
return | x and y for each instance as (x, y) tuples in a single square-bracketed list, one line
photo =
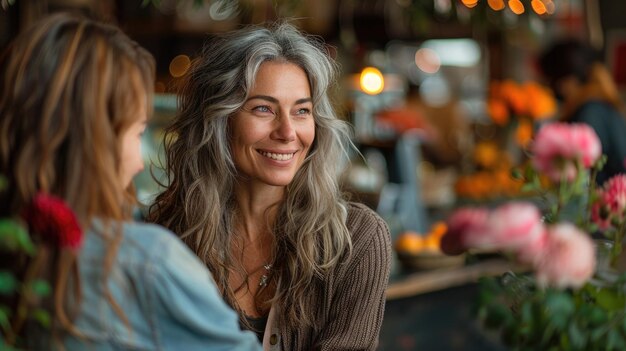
[(274, 130)]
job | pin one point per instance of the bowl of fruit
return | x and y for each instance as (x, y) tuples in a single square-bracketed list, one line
[(417, 251)]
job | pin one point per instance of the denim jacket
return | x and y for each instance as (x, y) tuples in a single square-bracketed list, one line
[(167, 295)]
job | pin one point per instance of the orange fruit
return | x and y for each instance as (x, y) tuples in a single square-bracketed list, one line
[(409, 242), (432, 243), (438, 229)]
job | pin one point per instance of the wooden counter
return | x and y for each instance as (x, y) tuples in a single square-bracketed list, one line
[(406, 285)]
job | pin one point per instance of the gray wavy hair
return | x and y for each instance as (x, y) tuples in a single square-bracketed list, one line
[(310, 230)]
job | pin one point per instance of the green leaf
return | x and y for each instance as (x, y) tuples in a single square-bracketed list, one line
[(481, 313), (42, 316), (517, 173), (596, 316), (610, 300), (615, 340), (577, 338), (597, 334), (497, 315), (600, 162), (530, 172), (529, 188), (40, 288), (526, 312), (548, 334), (8, 283), (559, 309), (5, 314), (13, 236)]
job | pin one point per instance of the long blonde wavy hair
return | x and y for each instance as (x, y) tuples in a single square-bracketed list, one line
[(310, 228), (69, 88)]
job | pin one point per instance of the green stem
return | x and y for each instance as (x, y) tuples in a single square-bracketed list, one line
[(617, 244), (613, 323), (592, 191), (562, 197)]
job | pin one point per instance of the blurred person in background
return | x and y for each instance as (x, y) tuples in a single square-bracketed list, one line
[(253, 158), (588, 94), (76, 95)]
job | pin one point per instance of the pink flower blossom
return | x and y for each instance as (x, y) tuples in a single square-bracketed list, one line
[(50, 218), (610, 207), (569, 259), (464, 226), (558, 147), (535, 249), (512, 227)]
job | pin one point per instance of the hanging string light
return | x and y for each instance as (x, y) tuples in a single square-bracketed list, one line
[(516, 6), (540, 7), (470, 3), (496, 5)]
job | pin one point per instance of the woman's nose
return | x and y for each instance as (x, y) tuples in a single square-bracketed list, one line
[(284, 129)]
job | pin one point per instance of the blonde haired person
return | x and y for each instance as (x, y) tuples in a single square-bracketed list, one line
[(253, 157), (75, 99)]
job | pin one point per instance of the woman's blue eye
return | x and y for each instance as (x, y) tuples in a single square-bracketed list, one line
[(262, 109), (304, 111)]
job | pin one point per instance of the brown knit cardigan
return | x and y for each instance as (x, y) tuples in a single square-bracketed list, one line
[(351, 300)]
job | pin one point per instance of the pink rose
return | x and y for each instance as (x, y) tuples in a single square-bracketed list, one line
[(569, 259), (600, 214), (534, 250), (558, 147), (587, 144), (610, 207), (512, 227), (464, 226)]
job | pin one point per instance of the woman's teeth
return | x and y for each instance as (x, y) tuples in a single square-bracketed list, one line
[(278, 157)]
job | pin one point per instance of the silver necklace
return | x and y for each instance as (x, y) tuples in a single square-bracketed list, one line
[(265, 276)]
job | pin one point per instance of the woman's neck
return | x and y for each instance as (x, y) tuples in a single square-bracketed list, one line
[(257, 206)]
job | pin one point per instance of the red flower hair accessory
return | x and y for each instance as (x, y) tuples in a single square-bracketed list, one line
[(51, 218)]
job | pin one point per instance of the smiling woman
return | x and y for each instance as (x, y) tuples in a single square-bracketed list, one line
[(274, 130), (253, 191)]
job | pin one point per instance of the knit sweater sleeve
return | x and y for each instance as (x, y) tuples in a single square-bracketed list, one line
[(358, 305)]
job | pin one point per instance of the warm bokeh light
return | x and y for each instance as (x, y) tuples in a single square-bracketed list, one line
[(516, 6), (550, 7), (372, 81), (179, 65), (496, 5), (470, 3), (427, 60), (539, 7)]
